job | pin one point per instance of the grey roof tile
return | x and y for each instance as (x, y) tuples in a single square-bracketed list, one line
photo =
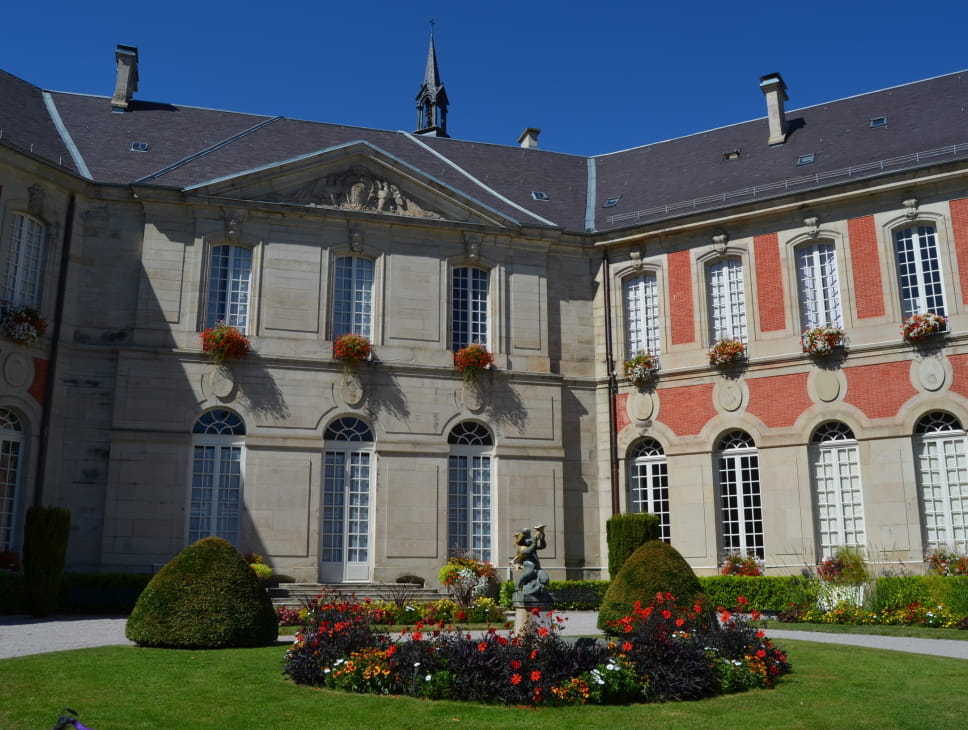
[(26, 123)]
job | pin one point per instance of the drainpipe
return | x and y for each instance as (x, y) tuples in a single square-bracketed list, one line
[(612, 386), (55, 336)]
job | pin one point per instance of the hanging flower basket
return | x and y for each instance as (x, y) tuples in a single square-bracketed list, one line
[(921, 327), (20, 323), (642, 368), (225, 342), (823, 341), (727, 353), (351, 350), (471, 360)]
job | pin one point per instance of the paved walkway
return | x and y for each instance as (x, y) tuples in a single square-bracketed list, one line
[(23, 635)]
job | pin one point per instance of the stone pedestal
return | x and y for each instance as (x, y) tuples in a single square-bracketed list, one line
[(524, 615)]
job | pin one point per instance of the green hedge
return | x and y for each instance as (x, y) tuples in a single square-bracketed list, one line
[(764, 593), (627, 533), (79, 592), (46, 531), (569, 595)]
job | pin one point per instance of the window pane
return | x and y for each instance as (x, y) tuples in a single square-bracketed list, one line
[(469, 307), (919, 271), (642, 315), (228, 286), (819, 286), (352, 296), (22, 266), (727, 302)]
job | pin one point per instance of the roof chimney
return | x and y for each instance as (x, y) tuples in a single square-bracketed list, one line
[(127, 80), (775, 91), (529, 138)]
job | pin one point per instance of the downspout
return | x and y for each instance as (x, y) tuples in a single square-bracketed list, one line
[(55, 335), (612, 387)]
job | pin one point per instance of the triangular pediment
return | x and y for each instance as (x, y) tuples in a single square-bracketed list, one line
[(356, 177)]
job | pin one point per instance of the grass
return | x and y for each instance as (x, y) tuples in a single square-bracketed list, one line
[(914, 632), (131, 687)]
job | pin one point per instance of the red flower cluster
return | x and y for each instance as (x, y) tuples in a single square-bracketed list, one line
[(726, 353), (920, 327), (352, 349), (471, 360), (225, 342)]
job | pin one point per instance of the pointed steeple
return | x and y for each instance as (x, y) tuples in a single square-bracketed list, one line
[(432, 98)]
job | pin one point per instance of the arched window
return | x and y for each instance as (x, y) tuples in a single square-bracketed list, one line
[(218, 442), (345, 514), (642, 315), (943, 480), (229, 273), (649, 483), (24, 260), (741, 511), (726, 300), (11, 466), (469, 491), (919, 271), (469, 295), (819, 285), (353, 296), (837, 486)]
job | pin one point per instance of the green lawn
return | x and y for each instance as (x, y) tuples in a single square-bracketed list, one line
[(130, 687), (915, 632)]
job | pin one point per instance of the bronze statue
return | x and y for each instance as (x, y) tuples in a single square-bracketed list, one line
[(531, 581)]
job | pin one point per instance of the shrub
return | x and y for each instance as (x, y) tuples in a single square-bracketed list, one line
[(45, 545), (846, 567), (764, 593), (466, 578), (207, 597), (625, 534), (11, 593), (655, 567)]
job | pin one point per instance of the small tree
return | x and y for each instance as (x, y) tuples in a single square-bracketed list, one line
[(625, 534), (45, 547)]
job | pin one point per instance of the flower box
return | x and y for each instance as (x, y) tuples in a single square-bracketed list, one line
[(471, 360), (921, 327), (20, 323), (225, 342), (351, 350), (727, 353), (823, 341), (641, 368)]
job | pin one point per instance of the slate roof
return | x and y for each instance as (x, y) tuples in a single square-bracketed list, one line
[(190, 146)]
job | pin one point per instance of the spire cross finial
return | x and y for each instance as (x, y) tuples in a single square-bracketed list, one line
[(432, 24)]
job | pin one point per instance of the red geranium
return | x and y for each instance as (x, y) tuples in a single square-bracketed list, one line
[(225, 342)]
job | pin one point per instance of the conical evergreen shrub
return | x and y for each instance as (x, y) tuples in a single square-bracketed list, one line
[(46, 531), (656, 567), (207, 597)]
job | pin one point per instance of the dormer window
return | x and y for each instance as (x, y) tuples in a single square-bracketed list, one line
[(806, 159), (140, 146), (612, 202), (878, 122), (538, 195), (731, 155)]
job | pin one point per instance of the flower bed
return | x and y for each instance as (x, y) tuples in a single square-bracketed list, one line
[(726, 353), (660, 652), (921, 327), (945, 561), (736, 564), (471, 360), (21, 324), (823, 341), (225, 342), (641, 368)]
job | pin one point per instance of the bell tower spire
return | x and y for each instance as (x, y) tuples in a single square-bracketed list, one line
[(432, 97)]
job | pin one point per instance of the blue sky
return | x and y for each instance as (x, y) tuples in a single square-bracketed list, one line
[(594, 78)]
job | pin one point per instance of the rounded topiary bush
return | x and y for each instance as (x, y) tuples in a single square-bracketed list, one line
[(655, 567), (207, 597)]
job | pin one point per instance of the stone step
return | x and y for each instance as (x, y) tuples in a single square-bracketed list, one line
[(296, 595)]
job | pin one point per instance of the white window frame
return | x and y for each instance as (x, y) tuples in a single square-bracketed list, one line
[(11, 477), (642, 322), (649, 483), (352, 300), (229, 291), (837, 489), (740, 495), (941, 455), (470, 491), (217, 477), (920, 277), (726, 300), (818, 282), (470, 295), (24, 260)]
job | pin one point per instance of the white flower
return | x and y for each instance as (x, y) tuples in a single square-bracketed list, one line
[(416, 664), (427, 678)]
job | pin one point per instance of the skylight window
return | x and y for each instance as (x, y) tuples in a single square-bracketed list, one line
[(612, 202), (140, 146), (731, 155), (878, 122), (806, 159), (538, 195)]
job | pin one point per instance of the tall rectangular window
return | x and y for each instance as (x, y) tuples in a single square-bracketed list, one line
[(727, 300), (836, 477), (229, 273), (469, 307), (24, 257), (919, 271), (642, 315), (819, 286), (469, 506), (216, 493), (353, 296)]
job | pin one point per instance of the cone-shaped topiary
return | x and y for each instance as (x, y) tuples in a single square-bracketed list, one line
[(655, 567), (207, 597)]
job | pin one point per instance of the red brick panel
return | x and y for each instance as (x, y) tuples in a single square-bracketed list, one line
[(959, 366), (621, 412), (38, 388), (959, 223), (687, 409), (779, 400), (866, 262), (769, 282), (879, 391), (682, 316)]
